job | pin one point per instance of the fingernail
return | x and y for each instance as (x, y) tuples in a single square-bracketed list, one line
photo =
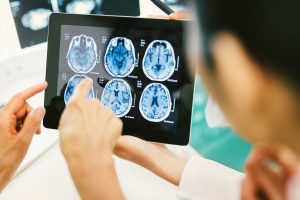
[(87, 79), (44, 84), (91, 80)]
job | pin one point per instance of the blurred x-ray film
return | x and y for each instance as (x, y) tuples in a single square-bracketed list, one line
[(177, 5), (31, 16)]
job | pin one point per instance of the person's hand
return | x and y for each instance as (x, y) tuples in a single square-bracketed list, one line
[(88, 134), (180, 15), (137, 150), (86, 127), (152, 156), (18, 123), (268, 170)]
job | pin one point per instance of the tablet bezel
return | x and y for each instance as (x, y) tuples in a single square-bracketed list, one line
[(57, 20)]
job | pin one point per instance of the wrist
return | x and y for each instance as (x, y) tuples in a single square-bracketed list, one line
[(6, 172), (168, 165), (82, 161), (75, 153), (10, 160)]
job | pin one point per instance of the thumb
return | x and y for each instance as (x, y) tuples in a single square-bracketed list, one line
[(32, 122)]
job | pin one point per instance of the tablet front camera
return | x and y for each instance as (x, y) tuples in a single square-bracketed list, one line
[(119, 59), (155, 103), (82, 55), (159, 61)]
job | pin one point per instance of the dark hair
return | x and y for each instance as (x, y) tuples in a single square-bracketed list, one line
[(269, 29)]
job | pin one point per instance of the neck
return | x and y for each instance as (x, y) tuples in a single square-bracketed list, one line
[(293, 142), (288, 133), (285, 116)]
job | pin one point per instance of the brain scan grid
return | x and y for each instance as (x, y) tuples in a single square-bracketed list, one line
[(138, 68), (82, 55), (159, 61), (119, 59), (150, 100), (71, 86), (117, 96), (155, 103)]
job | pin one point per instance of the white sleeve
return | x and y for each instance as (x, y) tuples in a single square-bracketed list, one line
[(208, 180)]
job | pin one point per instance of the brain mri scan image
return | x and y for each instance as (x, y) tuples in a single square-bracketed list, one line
[(82, 55), (71, 86), (36, 19), (117, 96), (119, 59), (155, 103), (159, 60)]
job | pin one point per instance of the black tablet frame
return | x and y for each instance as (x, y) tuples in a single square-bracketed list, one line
[(52, 117)]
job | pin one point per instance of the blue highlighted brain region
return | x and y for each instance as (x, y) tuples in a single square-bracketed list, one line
[(159, 61), (117, 96), (155, 103), (71, 86), (82, 55), (119, 59)]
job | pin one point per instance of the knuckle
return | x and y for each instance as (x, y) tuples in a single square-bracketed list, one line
[(95, 102), (117, 123), (17, 96), (72, 106), (107, 111), (74, 103), (29, 108), (33, 119), (23, 142)]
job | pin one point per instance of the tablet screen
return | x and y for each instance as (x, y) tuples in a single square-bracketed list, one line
[(139, 73)]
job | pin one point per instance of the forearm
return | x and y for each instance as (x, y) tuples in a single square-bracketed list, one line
[(165, 164), (7, 169), (207, 179), (5, 175), (96, 178)]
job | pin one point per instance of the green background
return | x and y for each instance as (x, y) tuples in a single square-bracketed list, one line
[(218, 144)]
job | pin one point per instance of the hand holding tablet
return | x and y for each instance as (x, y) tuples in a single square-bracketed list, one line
[(138, 67)]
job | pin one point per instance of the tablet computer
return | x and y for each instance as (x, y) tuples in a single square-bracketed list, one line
[(138, 67)]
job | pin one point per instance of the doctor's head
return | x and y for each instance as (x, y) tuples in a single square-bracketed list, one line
[(250, 63)]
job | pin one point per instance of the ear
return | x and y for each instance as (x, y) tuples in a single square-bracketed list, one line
[(238, 74)]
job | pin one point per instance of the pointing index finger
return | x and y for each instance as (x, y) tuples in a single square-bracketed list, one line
[(82, 90), (16, 103)]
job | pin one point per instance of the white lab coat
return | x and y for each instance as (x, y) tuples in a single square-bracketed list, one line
[(203, 179)]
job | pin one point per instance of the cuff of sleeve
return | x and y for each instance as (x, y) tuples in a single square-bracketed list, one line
[(206, 179)]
